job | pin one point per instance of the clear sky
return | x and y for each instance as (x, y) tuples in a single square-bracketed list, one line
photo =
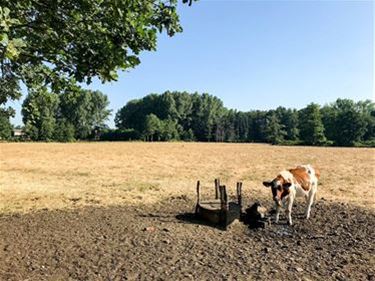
[(258, 55)]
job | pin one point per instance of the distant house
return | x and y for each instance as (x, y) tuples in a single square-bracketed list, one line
[(18, 133)]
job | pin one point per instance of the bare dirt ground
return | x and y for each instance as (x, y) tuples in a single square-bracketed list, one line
[(122, 211), (162, 242)]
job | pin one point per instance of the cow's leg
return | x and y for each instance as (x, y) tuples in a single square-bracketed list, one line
[(310, 201), (277, 215), (289, 210)]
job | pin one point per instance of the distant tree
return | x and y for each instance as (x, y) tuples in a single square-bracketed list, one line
[(289, 119), (329, 119), (350, 124), (71, 115), (5, 126), (169, 130), (275, 131), (189, 111), (367, 111), (258, 125), (206, 110), (219, 129), (99, 111), (311, 126), (39, 114), (131, 116), (188, 135), (84, 109), (230, 129), (204, 118), (242, 124), (64, 131), (152, 127), (184, 105), (165, 106), (292, 125)]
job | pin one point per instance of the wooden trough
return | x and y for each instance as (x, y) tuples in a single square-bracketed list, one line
[(219, 211)]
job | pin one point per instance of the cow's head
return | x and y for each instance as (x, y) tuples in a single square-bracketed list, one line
[(279, 187)]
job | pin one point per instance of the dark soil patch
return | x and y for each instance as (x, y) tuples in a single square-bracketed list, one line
[(151, 243)]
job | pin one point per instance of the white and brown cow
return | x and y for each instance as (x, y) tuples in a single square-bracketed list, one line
[(300, 181)]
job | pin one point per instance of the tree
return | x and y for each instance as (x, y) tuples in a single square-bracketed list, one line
[(242, 126), (189, 111), (131, 116), (152, 127), (98, 111), (311, 126), (62, 40), (184, 105), (258, 125), (84, 109), (169, 130), (5, 127), (64, 131), (188, 135), (206, 110), (289, 119), (71, 115), (329, 117), (39, 114), (367, 110), (229, 122), (275, 131), (350, 124)]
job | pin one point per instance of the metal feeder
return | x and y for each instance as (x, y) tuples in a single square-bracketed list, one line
[(219, 211)]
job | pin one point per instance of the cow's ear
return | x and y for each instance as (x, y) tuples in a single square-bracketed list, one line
[(267, 183), (287, 185)]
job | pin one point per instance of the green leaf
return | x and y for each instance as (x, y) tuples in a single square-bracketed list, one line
[(18, 43), (4, 39)]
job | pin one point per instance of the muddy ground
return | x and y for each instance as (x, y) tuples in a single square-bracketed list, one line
[(154, 243)]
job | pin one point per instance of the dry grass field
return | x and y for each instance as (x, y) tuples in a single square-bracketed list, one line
[(55, 176)]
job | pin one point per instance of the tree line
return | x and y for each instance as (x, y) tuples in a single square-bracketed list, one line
[(75, 114), (195, 117), (79, 114)]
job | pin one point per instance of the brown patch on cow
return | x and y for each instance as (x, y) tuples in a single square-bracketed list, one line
[(282, 180), (302, 177)]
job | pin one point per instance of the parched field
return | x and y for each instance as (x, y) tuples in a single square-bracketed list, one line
[(54, 176), (79, 212)]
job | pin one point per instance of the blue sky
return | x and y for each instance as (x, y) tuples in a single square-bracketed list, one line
[(258, 55)]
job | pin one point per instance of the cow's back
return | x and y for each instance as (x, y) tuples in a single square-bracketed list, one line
[(301, 177)]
